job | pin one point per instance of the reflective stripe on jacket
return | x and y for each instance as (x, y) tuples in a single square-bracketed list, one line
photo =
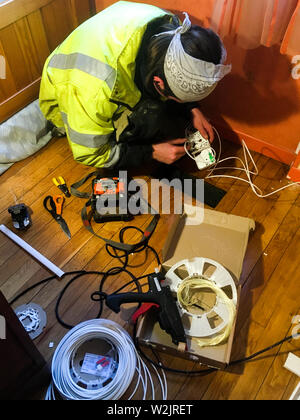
[(89, 79)]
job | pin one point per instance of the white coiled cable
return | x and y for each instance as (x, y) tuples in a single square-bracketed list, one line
[(245, 166), (129, 363)]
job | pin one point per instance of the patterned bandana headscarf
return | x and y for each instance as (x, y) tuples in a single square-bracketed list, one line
[(190, 79)]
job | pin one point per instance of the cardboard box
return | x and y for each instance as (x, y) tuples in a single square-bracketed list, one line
[(217, 236)]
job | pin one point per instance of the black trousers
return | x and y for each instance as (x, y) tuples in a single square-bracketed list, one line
[(151, 122)]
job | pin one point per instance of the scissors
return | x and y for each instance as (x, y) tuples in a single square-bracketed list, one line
[(54, 206), (61, 184)]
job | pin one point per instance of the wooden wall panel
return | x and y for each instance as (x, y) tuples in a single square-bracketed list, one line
[(81, 10), (29, 31), (13, 10), (36, 25), (9, 87), (27, 46), (13, 55), (57, 21)]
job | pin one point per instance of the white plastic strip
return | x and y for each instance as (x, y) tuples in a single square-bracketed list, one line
[(296, 394), (293, 364), (34, 253)]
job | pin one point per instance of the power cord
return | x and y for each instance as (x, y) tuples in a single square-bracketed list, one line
[(245, 168), (99, 296), (160, 365)]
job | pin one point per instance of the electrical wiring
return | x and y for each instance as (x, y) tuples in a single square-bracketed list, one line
[(186, 144), (155, 365), (143, 375), (122, 257), (99, 297), (48, 279), (245, 168), (210, 370), (64, 380)]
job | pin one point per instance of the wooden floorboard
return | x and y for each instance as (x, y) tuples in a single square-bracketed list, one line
[(270, 276)]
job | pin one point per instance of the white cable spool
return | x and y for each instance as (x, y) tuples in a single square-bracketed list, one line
[(62, 372), (199, 325), (67, 380)]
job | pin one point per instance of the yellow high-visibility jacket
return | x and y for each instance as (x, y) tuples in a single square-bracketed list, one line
[(89, 79)]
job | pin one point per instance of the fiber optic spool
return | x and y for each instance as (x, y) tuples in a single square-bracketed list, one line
[(200, 322), (33, 318)]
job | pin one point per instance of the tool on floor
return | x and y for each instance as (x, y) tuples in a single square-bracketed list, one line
[(159, 295), (61, 184), (20, 216), (113, 187), (106, 201), (54, 206)]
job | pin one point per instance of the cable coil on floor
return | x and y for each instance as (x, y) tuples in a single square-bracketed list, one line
[(72, 386)]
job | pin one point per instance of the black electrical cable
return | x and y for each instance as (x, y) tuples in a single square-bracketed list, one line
[(113, 251), (247, 359), (210, 370), (160, 365), (42, 282), (99, 296), (59, 319)]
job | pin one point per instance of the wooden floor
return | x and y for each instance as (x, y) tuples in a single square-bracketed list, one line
[(270, 277)]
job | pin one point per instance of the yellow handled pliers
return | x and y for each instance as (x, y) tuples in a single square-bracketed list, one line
[(61, 184)]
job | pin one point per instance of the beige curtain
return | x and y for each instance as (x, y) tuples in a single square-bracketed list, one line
[(251, 23)]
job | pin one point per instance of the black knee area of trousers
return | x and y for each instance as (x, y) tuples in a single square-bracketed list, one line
[(151, 122)]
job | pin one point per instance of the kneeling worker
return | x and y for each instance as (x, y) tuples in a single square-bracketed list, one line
[(136, 63)]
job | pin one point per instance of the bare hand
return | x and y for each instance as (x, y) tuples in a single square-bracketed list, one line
[(202, 125), (169, 152)]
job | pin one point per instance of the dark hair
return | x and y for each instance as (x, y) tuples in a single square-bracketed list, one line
[(203, 44), (198, 42), (152, 52)]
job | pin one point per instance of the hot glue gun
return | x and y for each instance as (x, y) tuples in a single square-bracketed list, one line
[(168, 316)]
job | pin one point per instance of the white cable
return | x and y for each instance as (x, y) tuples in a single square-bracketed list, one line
[(245, 168), (163, 382), (129, 362)]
